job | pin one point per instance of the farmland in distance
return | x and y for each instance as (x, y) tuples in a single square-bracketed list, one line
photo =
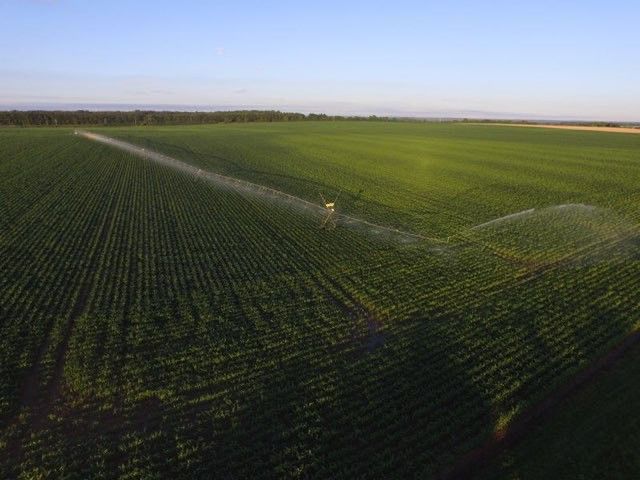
[(154, 323)]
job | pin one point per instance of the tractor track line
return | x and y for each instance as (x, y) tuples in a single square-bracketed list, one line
[(474, 461), (38, 399)]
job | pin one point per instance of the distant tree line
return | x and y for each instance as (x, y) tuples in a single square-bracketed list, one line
[(149, 117)]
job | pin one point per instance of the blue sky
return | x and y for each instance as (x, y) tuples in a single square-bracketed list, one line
[(560, 59)]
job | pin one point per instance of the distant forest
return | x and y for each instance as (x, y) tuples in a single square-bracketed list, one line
[(29, 118), (140, 117)]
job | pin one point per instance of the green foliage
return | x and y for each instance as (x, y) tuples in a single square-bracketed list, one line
[(154, 325), (24, 118)]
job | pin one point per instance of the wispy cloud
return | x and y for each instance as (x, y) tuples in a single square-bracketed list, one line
[(220, 51)]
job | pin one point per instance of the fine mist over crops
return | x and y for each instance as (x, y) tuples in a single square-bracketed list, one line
[(560, 231)]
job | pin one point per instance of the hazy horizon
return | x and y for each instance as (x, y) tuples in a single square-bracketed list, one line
[(575, 61), (452, 115)]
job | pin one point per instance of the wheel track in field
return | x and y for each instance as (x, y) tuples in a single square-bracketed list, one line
[(255, 189), (474, 461), (39, 406)]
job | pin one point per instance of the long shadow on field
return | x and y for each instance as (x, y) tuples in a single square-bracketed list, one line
[(399, 409), (410, 407)]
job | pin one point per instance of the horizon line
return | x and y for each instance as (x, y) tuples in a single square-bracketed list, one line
[(208, 108)]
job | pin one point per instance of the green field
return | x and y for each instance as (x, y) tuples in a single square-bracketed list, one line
[(154, 324), (594, 435)]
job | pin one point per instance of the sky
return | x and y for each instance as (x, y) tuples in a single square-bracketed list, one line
[(498, 59)]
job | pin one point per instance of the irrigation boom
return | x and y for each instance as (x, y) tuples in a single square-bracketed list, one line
[(330, 209), (245, 187)]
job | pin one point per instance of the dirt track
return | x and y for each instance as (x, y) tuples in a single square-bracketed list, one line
[(568, 127)]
